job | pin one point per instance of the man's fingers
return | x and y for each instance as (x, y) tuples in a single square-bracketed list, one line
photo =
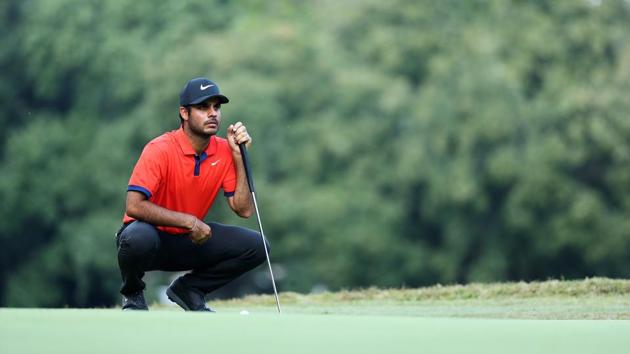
[(242, 138), (237, 134), (236, 126), (240, 132), (201, 240)]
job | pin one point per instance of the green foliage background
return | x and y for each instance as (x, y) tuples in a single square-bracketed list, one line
[(399, 143)]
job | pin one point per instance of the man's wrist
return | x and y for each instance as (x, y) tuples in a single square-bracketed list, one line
[(192, 224), (237, 155)]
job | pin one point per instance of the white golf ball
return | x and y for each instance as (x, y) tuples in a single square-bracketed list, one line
[(244, 312)]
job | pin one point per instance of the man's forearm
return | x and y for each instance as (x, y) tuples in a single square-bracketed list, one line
[(154, 214), (243, 204)]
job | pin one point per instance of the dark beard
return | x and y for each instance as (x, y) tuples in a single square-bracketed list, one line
[(199, 132)]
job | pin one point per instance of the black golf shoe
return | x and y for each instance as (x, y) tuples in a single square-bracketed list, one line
[(134, 301), (187, 298)]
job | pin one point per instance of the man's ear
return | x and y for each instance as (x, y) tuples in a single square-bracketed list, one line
[(183, 112)]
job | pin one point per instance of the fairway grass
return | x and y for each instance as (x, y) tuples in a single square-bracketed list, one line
[(67, 331)]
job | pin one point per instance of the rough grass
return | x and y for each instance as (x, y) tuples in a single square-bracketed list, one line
[(593, 298)]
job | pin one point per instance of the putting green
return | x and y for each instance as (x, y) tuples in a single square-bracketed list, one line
[(166, 331)]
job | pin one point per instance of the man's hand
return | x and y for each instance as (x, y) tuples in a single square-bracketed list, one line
[(236, 135), (200, 232)]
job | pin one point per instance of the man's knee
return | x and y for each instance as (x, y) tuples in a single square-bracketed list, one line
[(139, 239)]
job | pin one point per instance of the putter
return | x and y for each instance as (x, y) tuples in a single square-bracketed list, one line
[(250, 183)]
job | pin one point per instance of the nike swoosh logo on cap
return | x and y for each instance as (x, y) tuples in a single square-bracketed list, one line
[(202, 87)]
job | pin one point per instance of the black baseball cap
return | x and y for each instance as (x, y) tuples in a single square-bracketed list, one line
[(198, 90)]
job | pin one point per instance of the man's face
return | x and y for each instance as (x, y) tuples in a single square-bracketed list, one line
[(205, 117)]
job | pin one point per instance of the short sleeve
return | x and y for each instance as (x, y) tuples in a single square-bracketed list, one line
[(148, 173), (229, 181)]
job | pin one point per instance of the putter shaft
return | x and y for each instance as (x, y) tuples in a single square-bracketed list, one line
[(262, 234), (250, 184)]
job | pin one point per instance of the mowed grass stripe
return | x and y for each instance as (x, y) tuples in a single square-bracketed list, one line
[(113, 331)]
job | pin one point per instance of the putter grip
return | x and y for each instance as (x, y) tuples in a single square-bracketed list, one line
[(248, 173)]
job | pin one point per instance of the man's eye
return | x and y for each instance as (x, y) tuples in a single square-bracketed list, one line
[(217, 106)]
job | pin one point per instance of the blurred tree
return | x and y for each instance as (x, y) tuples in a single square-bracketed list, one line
[(395, 144)]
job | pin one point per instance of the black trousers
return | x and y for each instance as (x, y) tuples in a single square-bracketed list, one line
[(230, 252)]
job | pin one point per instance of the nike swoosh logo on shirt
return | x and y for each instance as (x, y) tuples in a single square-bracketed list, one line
[(202, 87), (214, 163)]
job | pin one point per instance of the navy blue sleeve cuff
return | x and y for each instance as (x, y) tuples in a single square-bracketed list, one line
[(140, 189), (228, 194)]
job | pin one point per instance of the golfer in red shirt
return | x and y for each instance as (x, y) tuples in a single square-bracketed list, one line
[(171, 189)]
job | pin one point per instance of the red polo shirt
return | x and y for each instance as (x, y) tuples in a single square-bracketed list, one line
[(171, 175)]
